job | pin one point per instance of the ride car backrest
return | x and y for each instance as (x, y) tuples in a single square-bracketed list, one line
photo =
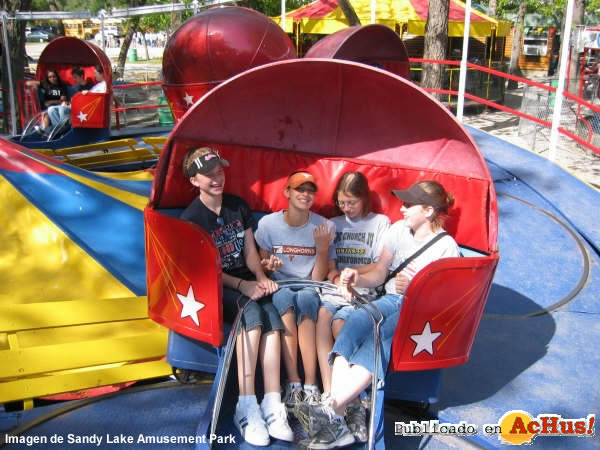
[(259, 175)]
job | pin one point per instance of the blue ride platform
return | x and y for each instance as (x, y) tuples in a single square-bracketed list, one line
[(536, 349)]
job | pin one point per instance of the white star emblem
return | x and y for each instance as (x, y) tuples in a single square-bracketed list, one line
[(189, 100), (190, 306), (82, 116), (425, 340)]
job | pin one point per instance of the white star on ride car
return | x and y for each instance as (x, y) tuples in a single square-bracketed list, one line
[(190, 305), (425, 340), (82, 116), (189, 100)]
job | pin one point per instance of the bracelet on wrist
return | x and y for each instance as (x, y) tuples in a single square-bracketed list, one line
[(237, 287)]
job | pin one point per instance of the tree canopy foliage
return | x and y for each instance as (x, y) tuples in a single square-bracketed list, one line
[(554, 9)]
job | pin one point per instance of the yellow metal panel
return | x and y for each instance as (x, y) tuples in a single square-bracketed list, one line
[(60, 314), (39, 263), (99, 146), (89, 332), (136, 175), (24, 388), (49, 358), (157, 142), (120, 157)]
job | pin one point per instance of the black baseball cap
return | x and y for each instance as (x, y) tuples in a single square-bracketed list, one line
[(416, 195), (205, 163)]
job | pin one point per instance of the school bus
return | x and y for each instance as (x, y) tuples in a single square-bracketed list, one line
[(80, 28)]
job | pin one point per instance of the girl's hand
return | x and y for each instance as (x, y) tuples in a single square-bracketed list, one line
[(252, 289), (336, 279), (323, 236), (402, 281), (272, 264), (348, 278)]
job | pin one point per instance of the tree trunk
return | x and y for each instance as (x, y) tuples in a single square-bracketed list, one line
[(493, 7), (131, 29), (145, 45), (15, 30), (575, 70), (176, 20), (60, 27), (436, 43), (349, 12), (515, 52)]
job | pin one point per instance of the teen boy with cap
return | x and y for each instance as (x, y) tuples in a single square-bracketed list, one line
[(229, 222), (301, 242)]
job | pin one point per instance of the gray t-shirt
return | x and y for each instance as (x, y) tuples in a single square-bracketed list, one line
[(401, 243), (295, 246), (359, 242)]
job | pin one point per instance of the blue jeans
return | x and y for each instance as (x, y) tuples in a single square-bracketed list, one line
[(338, 312), (356, 342), (56, 113), (303, 302), (259, 313)]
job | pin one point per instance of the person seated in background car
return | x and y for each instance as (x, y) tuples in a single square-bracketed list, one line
[(100, 86), (53, 92), (57, 113)]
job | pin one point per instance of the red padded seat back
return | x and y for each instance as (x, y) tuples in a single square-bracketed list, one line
[(259, 176)]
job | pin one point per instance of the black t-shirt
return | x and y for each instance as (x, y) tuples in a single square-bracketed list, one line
[(226, 230), (53, 92)]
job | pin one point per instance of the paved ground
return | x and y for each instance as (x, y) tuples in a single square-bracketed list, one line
[(582, 162)]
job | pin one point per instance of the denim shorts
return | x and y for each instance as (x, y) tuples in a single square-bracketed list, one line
[(337, 312), (260, 313), (356, 341), (303, 302)]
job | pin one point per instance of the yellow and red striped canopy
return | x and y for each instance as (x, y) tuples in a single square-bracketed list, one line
[(326, 17)]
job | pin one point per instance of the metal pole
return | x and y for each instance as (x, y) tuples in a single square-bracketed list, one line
[(564, 54), (373, 8), (462, 80), (283, 14), (487, 91), (11, 88)]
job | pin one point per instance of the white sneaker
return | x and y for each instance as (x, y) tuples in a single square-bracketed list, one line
[(293, 395), (312, 396), (277, 424), (251, 425)]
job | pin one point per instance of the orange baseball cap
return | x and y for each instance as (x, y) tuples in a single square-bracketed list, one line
[(299, 178)]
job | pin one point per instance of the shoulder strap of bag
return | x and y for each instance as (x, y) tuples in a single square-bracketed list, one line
[(407, 261)]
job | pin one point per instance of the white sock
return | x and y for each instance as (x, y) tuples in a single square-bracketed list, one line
[(294, 384), (270, 400), (311, 387), (245, 401)]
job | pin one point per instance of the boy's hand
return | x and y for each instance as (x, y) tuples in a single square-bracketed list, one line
[(252, 289), (269, 286)]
